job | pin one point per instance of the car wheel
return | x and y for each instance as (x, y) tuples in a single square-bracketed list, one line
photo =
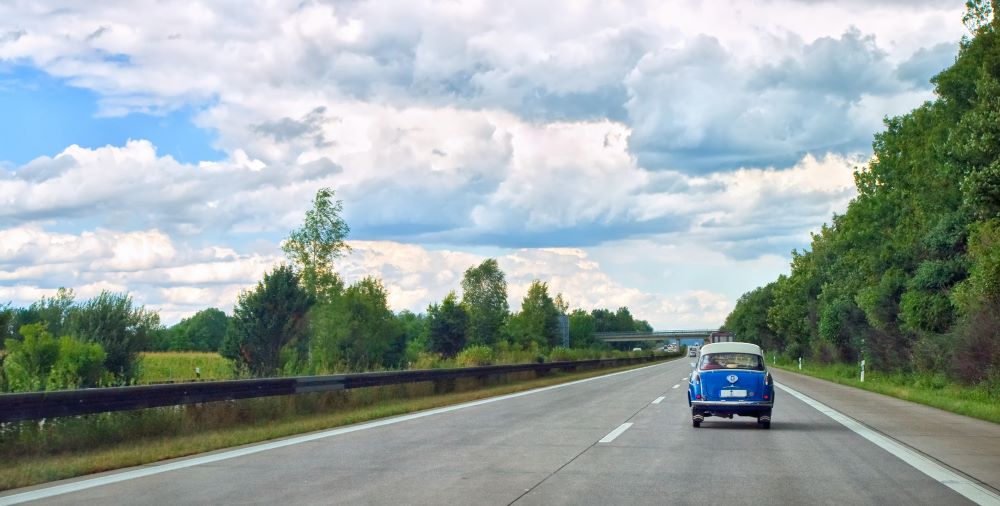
[(764, 421), (765, 425), (696, 422)]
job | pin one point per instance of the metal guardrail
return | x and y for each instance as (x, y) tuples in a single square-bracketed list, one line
[(38, 405)]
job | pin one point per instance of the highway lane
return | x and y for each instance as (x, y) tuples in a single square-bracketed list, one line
[(544, 448)]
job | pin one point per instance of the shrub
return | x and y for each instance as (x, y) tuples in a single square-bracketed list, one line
[(30, 361), (429, 361), (42, 362), (475, 356), (79, 365), (560, 354)]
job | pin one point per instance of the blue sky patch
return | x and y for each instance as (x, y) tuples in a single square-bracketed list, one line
[(42, 115)]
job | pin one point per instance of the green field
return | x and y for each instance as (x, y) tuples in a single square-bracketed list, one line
[(158, 367), (978, 401)]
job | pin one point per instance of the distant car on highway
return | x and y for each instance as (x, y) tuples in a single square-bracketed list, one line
[(731, 379), (693, 351)]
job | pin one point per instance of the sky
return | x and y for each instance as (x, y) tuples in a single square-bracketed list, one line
[(664, 155)]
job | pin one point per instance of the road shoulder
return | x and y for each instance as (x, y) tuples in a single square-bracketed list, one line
[(967, 445)]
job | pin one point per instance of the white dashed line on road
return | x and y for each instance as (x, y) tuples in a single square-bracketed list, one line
[(615, 433), (675, 386), (659, 400)]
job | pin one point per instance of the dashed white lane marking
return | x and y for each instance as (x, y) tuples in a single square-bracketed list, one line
[(659, 400), (141, 472), (675, 386), (968, 488), (615, 433)]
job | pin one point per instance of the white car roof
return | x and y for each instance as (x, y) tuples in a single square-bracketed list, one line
[(731, 348)]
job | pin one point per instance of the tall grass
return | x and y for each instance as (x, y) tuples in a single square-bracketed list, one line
[(158, 367), (978, 401)]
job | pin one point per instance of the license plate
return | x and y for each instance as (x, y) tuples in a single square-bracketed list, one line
[(734, 393)]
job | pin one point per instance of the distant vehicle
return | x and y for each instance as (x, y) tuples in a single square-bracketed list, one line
[(731, 379), (693, 351)]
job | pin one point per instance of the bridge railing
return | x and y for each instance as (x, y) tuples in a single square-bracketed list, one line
[(39, 405)]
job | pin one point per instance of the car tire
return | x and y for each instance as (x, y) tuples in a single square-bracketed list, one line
[(765, 425), (764, 421), (696, 423)]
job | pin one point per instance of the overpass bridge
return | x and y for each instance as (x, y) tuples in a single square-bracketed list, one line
[(710, 335)]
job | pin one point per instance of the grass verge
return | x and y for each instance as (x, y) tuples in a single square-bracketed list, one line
[(34, 454), (979, 401), (157, 367)]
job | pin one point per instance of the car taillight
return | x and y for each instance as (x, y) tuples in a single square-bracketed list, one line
[(697, 396), (766, 397), (767, 379)]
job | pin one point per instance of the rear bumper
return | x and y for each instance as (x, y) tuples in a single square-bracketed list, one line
[(734, 407)]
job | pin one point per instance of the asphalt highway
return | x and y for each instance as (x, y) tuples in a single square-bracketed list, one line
[(609, 440)]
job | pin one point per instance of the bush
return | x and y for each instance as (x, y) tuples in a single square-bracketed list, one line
[(823, 351), (429, 361), (42, 362), (560, 354), (79, 365), (29, 362), (977, 345), (932, 353), (475, 356)]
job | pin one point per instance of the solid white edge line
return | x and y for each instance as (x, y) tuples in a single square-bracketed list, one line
[(659, 400), (615, 433), (84, 484), (968, 488)]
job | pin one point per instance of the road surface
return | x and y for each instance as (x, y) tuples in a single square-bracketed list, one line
[(620, 439)]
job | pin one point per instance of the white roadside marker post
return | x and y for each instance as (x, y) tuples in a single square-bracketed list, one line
[(800, 363), (862, 371)]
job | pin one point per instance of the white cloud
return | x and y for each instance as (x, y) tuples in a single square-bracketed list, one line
[(646, 126)]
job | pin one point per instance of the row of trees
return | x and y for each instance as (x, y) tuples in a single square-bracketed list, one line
[(302, 318), (909, 276)]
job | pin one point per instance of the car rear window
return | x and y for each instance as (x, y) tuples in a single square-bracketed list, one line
[(731, 361)]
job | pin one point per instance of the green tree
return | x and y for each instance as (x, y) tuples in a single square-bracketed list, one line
[(119, 326), (748, 320), (314, 246), (484, 295), (203, 331), (416, 334), (582, 327), (357, 330), (538, 319), (7, 319), (449, 325), (267, 320), (54, 312)]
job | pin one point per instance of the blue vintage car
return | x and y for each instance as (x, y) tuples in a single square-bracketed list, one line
[(730, 379)]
